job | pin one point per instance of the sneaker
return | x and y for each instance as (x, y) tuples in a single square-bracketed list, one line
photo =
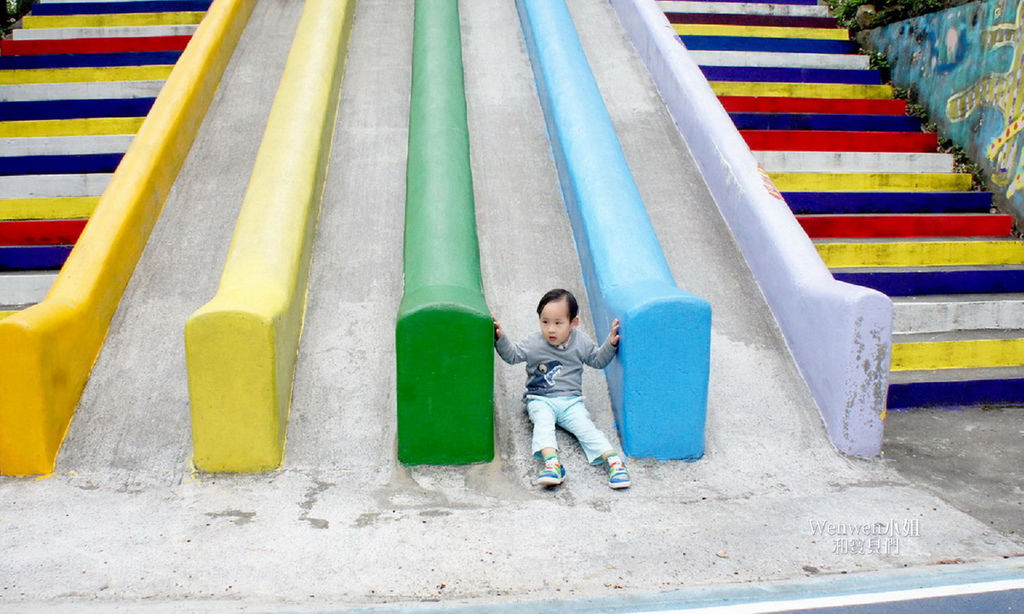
[(618, 476), (551, 475)]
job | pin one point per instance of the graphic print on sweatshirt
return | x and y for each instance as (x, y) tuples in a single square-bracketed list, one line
[(544, 377)]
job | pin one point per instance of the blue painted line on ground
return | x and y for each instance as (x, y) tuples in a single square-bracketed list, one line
[(30, 110), (924, 282), (791, 75), (956, 394), (60, 165), (88, 60), (816, 121), (33, 257), (109, 8), (888, 202), (752, 43), (954, 588)]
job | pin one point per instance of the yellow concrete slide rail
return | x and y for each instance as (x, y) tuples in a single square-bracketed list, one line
[(48, 349), (242, 345)]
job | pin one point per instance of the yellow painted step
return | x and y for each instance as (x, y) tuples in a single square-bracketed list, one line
[(922, 355), (697, 29), (85, 74), (801, 90), (90, 126), (872, 182), (840, 254), (114, 20), (72, 207)]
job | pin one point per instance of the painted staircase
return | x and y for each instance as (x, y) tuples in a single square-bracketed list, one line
[(884, 209), (76, 81)]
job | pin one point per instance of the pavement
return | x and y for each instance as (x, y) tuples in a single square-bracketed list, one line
[(125, 523)]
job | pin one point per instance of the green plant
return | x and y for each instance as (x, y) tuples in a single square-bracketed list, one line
[(884, 11), (13, 10)]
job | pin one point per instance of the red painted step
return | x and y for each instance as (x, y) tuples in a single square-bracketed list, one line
[(905, 226), (94, 45), (829, 140), (846, 106), (40, 232)]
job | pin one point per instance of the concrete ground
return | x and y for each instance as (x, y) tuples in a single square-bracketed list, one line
[(124, 524)]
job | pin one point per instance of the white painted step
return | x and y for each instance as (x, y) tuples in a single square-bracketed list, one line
[(744, 8), (65, 145), (939, 314), (24, 288), (853, 162), (54, 186), (80, 91), (22, 34), (780, 59)]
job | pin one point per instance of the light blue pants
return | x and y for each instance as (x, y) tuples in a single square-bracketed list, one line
[(571, 414)]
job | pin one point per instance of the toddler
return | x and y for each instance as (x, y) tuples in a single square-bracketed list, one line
[(554, 359)]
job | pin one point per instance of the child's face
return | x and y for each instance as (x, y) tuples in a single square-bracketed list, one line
[(555, 323)]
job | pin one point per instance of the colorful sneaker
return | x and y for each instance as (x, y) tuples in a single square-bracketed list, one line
[(552, 475), (618, 476)]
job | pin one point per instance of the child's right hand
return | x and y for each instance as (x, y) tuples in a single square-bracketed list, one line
[(497, 328)]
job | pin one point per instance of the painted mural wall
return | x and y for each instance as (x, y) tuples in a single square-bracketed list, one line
[(966, 65)]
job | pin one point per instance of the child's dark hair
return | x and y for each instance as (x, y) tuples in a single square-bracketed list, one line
[(556, 295)]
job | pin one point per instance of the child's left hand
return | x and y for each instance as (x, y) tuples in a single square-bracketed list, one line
[(613, 334)]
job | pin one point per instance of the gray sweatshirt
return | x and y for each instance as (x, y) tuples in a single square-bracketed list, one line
[(555, 371)]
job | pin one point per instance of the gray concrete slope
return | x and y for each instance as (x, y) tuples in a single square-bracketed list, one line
[(123, 524)]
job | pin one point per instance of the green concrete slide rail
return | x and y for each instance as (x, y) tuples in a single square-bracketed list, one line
[(444, 336), (241, 347)]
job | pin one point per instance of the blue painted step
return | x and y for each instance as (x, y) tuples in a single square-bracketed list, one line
[(956, 393), (791, 75), (88, 60), (820, 121), (888, 202), (752, 43), (74, 109), (60, 165), (106, 8), (937, 280), (33, 257)]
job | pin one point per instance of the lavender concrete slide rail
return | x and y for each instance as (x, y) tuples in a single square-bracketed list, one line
[(659, 382), (840, 334)]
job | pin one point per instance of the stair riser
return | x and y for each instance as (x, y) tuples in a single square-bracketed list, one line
[(980, 281), (103, 32), (956, 394), (853, 162), (887, 202), (867, 227), (51, 186), (49, 257), (939, 317), (790, 60), (59, 165), (25, 288), (66, 145), (55, 232), (74, 109), (80, 91)]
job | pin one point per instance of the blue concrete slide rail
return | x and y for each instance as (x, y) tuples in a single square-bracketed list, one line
[(840, 334), (659, 382)]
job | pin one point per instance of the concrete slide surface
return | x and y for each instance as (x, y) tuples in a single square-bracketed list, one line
[(123, 522)]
